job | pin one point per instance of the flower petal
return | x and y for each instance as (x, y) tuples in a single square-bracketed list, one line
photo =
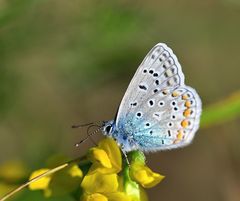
[(118, 196), (95, 197), (106, 158), (41, 183), (75, 171), (144, 175), (113, 152), (97, 155), (99, 183)]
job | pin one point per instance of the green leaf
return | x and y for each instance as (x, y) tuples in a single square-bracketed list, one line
[(222, 111)]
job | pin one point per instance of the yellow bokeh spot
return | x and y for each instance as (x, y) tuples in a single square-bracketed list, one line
[(144, 175), (41, 183), (47, 192), (5, 188), (13, 170), (75, 171), (95, 197)]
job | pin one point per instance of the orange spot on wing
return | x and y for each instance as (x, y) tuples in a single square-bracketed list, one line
[(179, 135), (188, 104), (187, 112), (175, 94), (185, 123), (184, 97)]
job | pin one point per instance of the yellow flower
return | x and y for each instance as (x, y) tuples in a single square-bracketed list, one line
[(95, 197), (75, 171), (101, 187), (144, 175), (106, 179), (132, 189), (118, 196), (42, 183), (100, 183), (106, 158)]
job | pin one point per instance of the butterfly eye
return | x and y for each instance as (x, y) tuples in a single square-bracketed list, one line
[(108, 129)]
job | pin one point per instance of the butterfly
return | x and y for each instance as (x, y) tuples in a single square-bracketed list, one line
[(158, 111)]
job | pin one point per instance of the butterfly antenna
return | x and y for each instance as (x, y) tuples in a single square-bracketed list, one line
[(89, 134), (88, 124), (82, 125)]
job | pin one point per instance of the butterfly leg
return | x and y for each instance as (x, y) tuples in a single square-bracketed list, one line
[(126, 157)]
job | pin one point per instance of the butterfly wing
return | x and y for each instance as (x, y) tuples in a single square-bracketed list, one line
[(170, 122), (146, 112), (160, 69)]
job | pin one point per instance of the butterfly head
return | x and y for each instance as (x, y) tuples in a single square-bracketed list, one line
[(107, 127)]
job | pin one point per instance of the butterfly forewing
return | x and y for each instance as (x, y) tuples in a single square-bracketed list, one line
[(160, 69)]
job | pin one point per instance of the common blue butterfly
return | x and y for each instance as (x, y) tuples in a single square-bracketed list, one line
[(158, 111)]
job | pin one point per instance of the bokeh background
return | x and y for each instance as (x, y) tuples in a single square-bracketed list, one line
[(67, 62)]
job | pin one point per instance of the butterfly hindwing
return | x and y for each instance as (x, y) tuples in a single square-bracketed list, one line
[(170, 122)]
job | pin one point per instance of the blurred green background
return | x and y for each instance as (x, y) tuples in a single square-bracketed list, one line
[(66, 62)]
